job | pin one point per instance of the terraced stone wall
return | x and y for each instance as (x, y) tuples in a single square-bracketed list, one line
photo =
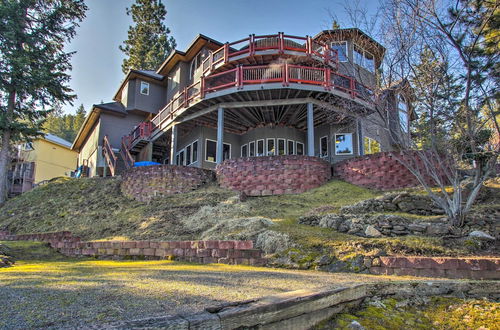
[(147, 182), (227, 252), (380, 171), (273, 175)]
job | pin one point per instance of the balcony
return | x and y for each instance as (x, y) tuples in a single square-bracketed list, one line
[(273, 44)]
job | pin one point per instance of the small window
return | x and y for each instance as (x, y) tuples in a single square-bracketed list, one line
[(244, 150), (358, 55), (371, 146), (291, 147), (403, 113), (260, 147), (323, 147), (300, 148), (364, 58), (281, 147), (369, 62), (226, 151), (343, 144), (144, 88), (251, 146), (341, 48), (194, 158), (177, 159), (271, 147), (182, 158), (210, 151), (188, 155)]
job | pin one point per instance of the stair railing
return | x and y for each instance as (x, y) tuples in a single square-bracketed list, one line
[(128, 160), (109, 155)]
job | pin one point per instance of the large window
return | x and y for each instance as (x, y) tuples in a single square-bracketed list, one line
[(194, 157), (343, 144), (196, 63), (181, 157), (341, 48), (281, 147), (323, 147), (403, 113), (244, 150), (251, 147), (188, 154), (364, 58), (211, 151), (271, 147), (144, 88), (260, 147), (291, 147), (299, 148), (371, 146)]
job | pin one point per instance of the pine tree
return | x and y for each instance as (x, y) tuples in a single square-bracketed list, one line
[(33, 67), (79, 118), (148, 43)]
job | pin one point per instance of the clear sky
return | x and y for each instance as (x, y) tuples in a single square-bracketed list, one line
[(97, 70)]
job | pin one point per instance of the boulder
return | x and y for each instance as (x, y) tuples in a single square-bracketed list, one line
[(371, 231), (437, 229), (481, 235)]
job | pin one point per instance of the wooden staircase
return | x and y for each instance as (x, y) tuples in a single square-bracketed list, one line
[(109, 155)]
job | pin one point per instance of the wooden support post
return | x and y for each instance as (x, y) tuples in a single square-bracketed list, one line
[(220, 135), (310, 129)]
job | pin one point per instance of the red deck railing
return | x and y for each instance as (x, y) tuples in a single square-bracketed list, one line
[(280, 42)]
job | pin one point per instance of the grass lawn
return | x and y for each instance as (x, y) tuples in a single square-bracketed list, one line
[(45, 289)]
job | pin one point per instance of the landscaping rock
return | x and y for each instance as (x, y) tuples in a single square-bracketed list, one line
[(437, 229), (481, 235), (271, 241), (371, 231)]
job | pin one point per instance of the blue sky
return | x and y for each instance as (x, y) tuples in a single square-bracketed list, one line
[(97, 71)]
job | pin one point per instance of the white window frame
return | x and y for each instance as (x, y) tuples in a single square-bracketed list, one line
[(250, 148), (197, 151), (293, 147), (223, 143), (178, 160), (278, 147), (267, 147), (146, 84), (363, 58), (303, 148), (241, 150), (336, 43), (188, 154), (264, 148), (230, 151), (352, 144), (321, 146)]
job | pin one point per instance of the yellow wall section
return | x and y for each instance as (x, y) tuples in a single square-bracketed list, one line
[(51, 160)]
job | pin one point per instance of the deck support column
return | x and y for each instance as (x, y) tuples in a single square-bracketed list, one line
[(310, 130), (173, 145), (220, 135)]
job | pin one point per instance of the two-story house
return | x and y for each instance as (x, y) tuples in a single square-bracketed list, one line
[(258, 96)]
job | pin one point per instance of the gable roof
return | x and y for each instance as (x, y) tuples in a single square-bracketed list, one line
[(57, 140), (115, 108)]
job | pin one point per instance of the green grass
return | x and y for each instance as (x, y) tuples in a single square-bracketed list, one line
[(438, 313), (45, 289)]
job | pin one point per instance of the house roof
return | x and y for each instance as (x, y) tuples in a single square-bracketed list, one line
[(115, 108), (57, 140)]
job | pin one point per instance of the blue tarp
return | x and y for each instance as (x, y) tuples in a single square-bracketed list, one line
[(137, 164)]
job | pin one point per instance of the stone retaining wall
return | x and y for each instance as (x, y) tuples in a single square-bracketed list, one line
[(379, 171), (273, 175), (302, 309), (227, 252), (477, 268), (146, 182)]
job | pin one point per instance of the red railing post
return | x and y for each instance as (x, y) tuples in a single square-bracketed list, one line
[(326, 51), (226, 52), (251, 45), (202, 87), (286, 74), (308, 46), (281, 41), (186, 101), (328, 75)]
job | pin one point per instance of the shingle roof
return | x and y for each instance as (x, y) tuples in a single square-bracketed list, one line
[(112, 106), (57, 140), (150, 73)]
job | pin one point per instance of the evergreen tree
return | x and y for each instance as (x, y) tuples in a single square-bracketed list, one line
[(65, 126), (148, 43), (33, 67), (79, 118)]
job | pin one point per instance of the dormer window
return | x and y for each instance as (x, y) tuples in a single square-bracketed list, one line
[(403, 113), (144, 88), (364, 58), (341, 48)]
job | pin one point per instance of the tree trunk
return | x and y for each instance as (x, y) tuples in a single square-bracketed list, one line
[(5, 149)]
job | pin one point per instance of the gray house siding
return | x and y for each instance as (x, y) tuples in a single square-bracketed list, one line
[(148, 103), (116, 127)]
